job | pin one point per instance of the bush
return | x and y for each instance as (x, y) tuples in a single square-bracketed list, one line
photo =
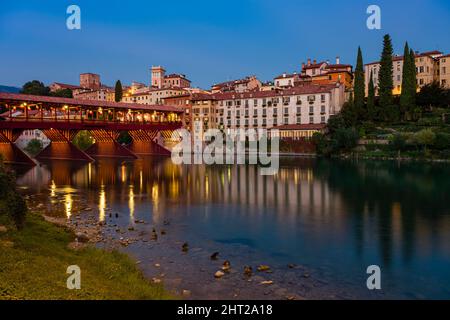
[(11, 202), (424, 138), (346, 139), (442, 141), (397, 142)]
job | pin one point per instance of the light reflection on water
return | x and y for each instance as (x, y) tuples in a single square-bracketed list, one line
[(341, 216)]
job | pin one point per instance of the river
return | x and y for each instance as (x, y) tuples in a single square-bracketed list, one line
[(318, 224)]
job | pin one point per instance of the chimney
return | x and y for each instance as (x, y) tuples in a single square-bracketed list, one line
[(309, 62), (338, 60), (303, 65), (315, 61)]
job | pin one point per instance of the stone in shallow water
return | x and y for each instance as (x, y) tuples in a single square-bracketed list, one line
[(219, 274), (3, 229)]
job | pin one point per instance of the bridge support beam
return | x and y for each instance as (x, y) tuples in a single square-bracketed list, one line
[(106, 145), (61, 147), (9, 151), (143, 143)]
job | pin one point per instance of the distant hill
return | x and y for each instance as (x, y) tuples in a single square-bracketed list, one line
[(9, 89)]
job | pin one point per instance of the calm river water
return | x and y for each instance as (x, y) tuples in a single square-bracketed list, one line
[(327, 220)]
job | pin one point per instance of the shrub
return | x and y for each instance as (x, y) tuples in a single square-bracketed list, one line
[(424, 137), (11, 201), (442, 141), (346, 139), (397, 142)]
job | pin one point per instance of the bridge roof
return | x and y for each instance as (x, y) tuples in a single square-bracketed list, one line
[(16, 97)]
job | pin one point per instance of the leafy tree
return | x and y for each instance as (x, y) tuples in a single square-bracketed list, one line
[(432, 95), (62, 93), (385, 80), (83, 140), (359, 87), (425, 138), (35, 87), (118, 91), (124, 138), (346, 139), (371, 108), (34, 147)]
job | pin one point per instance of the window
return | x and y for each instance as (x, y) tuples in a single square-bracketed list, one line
[(311, 120), (255, 122), (322, 98), (286, 111), (322, 109), (299, 100), (286, 120), (322, 119), (299, 110), (444, 70), (311, 98), (299, 120), (311, 110)]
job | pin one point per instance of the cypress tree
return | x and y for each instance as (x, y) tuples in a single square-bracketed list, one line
[(359, 84), (413, 75), (118, 91), (406, 94), (371, 99), (385, 80)]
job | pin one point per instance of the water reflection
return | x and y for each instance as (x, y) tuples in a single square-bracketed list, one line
[(341, 214)]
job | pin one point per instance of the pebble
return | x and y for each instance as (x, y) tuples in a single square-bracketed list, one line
[(263, 268), (3, 229), (267, 282), (219, 274)]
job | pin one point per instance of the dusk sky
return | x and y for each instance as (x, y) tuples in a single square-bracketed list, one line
[(209, 41)]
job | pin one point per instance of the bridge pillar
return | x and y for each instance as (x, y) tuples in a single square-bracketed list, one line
[(61, 147), (9, 151), (143, 143), (106, 145)]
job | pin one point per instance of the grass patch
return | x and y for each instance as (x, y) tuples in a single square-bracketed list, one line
[(33, 264)]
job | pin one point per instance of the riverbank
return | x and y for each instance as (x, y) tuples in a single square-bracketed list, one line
[(33, 264)]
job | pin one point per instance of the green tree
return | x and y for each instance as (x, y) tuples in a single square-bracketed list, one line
[(35, 87), (34, 147), (359, 85), (118, 91), (83, 140), (371, 108), (432, 95), (425, 138), (405, 97), (385, 80), (63, 93), (409, 85)]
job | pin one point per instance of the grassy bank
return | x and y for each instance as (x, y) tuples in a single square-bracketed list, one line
[(33, 264)]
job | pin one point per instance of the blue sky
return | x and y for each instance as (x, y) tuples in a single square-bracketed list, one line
[(209, 41)]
